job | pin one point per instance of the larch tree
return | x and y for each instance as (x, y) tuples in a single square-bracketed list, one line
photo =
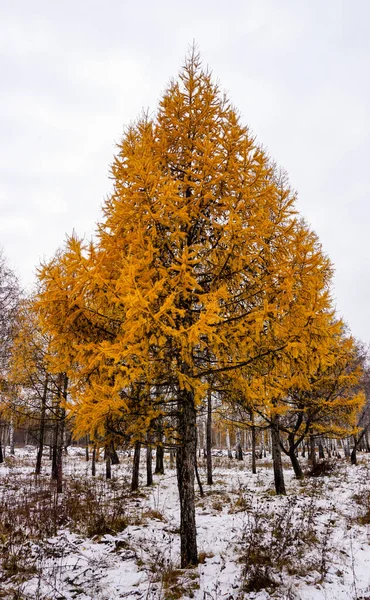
[(39, 392), (192, 276), (300, 331), (330, 401), (323, 397), (27, 376), (363, 420)]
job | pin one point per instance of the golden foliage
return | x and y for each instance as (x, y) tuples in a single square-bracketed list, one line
[(201, 272)]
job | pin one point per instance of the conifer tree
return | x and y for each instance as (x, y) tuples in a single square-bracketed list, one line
[(39, 392), (330, 401), (195, 276)]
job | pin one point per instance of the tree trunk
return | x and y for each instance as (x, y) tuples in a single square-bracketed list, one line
[(347, 448), (136, 467), (312, 453), (1, 444), (201, 491), (59, 456), (113, 454), (204, 446), (61, 414), (276, 457), (61, 418), (42, 427), (254, 449), (294, 460), (149, 469), (329, 448), (209, 438), (228, 445), (159, 462), (199, 443), (87, 457), (321, 450), (238, 446), (108, 464), (159, 455), (11, 436), (54, 463), (93, 461), (262, 451), (185, 463), (51, 440), (172, 458), (354, 451)]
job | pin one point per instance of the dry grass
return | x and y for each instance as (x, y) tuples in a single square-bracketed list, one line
[(153, 514), (281, 541), (32, 511), (322, 469), (363, 501)]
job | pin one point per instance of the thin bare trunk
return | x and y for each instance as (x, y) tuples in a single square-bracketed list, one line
[(209, 438), (204, 445), (136, 467), (228, 445), (93, 461), (54, 467), (108, 465), (61, 412), (354, 451), (238, 445), (197, 474), (42, 427), (254, 449), (159, 456), (199, 481), (11, 436), (276, 457), (149, 468), (59, 464), (321, 449), (312, 452)]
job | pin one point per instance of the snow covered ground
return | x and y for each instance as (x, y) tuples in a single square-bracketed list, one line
[(313, 544)]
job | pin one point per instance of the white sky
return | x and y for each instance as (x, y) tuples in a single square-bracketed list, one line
[(73, 73)]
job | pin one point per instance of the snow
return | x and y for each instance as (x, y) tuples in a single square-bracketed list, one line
[(317, 542)]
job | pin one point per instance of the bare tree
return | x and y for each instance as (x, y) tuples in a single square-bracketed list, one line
[(9, 297)]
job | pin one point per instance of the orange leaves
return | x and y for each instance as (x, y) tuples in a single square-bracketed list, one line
[(201, 268)]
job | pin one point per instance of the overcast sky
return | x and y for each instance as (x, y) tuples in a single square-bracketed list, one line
[(74, 73)]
